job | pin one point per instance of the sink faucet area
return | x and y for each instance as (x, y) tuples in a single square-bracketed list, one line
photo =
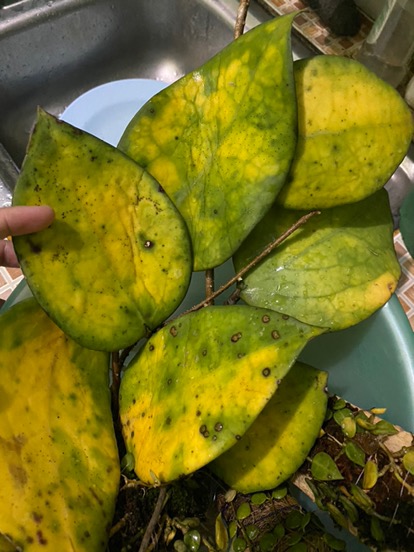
[(53, 51)]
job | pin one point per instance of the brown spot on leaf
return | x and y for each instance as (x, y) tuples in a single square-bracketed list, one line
[(14, 444), (40, 538), (19, 475), (204, 431), (37, 518), (34, 247), (95, 496)]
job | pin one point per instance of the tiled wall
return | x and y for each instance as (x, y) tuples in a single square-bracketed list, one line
[(405, 290), (9, 278)]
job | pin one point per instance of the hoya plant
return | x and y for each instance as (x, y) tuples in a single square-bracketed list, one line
[(271, 165)]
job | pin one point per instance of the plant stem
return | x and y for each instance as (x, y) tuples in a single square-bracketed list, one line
[(234, 297), (154, 520), (210, 285), (268, 249), (119, 525), (241, 18)]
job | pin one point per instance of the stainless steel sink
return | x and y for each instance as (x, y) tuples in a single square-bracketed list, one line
[(51, 51)]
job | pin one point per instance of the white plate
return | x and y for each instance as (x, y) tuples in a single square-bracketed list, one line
[(106, 110)]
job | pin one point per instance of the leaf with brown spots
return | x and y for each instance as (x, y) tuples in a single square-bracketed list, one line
[(221, 139), (282, 435), (117, 258), (59, 462), (200, 382), (354, 129)]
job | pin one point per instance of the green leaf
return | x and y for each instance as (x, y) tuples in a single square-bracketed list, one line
[(334, 272), (239, 545), (361, 499), (355, 453), (370, 476), (200, 382), (383, 427), (376, 530), (354, 130), (323, 468), (339, 415), (280, 438), (408, 461), (58, 455), (267, 542), (221, 139), (221, 533), (117, 258), (258, 498), (349, 426), (243, 511)]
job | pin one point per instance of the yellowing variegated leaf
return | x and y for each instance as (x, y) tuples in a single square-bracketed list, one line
[(117, 258), (58, 455), (334, 272), (280, 438), (199, 383), (354, 131), (220, 140)]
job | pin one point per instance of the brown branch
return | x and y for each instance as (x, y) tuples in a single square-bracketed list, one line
[(154, 520), (209, 285), (241, 18), (124, 355), (266, 251), (119, 525)]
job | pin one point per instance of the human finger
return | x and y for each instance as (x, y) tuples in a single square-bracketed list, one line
[(7, 255), (15, 221)]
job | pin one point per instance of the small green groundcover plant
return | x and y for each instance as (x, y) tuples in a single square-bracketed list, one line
[(277, 165)]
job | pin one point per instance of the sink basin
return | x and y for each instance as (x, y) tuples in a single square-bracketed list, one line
[(53, 51)]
